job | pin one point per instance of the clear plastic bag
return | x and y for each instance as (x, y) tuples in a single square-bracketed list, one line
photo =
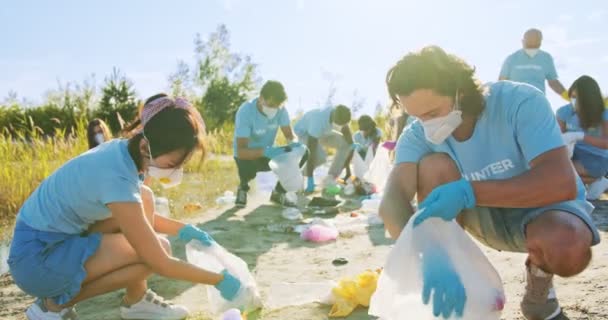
[(399, 290), (360, 165), (379, 169), (215, 259), (287, 168)]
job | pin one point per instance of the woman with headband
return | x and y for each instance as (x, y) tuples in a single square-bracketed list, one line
[(85, 230)]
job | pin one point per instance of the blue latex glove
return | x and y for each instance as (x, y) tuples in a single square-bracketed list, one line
[(446, 201), (190, 232), (310, 185), (439, 276), (356, 146), (229, 286), (271, 152)]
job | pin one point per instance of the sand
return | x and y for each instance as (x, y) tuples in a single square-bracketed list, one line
[(276, 255)]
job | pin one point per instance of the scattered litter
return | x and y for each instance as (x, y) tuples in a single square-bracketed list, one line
[(339, 262), (192, 207), (354, 214), (370, 205), (232, 314), (351, 292), (349, 190), (319, 233), (227, 198), (323, 202), (292, 214), (215, 259), (333, 190), (374, 220)]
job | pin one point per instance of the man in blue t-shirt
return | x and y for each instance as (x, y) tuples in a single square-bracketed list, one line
[(491, 157), (257, 123), (532, 66)]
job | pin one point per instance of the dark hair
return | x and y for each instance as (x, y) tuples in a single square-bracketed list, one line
[(273, 91), (341, 114), (169, 130), (590, 101), (434, 69), (91, 132), (366, 123)]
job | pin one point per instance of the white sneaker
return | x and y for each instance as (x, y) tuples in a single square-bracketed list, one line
[(153, 307), (597, 188), (38, 311)]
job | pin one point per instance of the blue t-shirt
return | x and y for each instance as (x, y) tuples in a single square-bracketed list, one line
[(253, 124), (365, 142), (516, 126), (314, 123), (76, 195), (520, 67), (568, 116)]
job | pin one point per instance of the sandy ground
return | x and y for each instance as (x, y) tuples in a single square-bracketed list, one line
[(276, 255)]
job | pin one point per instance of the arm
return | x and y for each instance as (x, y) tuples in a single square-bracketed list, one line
[(348, 136), (562, 125), (505, 69), (287, 133), (141, 237), (530, 189), (599, 142), (558, 87), (312, 149), (551, 75), (395, 207), (246, 153), (166, 225)]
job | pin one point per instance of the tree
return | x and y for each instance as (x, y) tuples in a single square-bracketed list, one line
[(226, 79), (357, 104), (118, 100), (180, 82)]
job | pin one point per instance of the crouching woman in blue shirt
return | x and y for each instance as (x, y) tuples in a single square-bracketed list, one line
[(85, 231)]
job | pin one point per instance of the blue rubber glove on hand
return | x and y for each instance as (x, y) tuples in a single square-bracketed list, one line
[(190, 232), (310, 185), (438, 275), (446, 201), (229, 286), (271, 152)]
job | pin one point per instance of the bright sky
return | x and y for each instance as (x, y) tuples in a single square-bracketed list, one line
[(304, 44)]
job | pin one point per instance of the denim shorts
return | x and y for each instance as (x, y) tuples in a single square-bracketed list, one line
[(504, 228), (50, 264), (596, 166)]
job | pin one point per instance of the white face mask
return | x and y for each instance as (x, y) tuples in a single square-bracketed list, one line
[(167, 177), (438, 129), (270, 112), (573, 103), (99, 138), (336, 127), (531, 52)]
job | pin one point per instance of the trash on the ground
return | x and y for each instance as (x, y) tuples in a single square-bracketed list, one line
[(363, 187), (287, 168), (370, 205), (233, 314), (292, 197), (227, 198), (292, 214), (319, 233), (332, 190), (283, 294), (352, 292), (354, 214), (192, 207), (374, 219), (339, 262), (323, 202), (349, 190), (161, 206), (379, 169), (216, 259), (399, 290)]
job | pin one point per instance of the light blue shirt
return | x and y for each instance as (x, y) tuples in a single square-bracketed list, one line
[(314, 123), (365, 142), (256, 126), (520, 67), (516, 126), (77, 194), (568, 116)]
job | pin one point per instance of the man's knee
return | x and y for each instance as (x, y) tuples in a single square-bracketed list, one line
[(433, 170), (560, 243)]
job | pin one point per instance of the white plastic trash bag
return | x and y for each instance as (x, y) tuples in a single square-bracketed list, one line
[(399, 290), (215, 259), (287, 168), (379, 169), (360, 165)]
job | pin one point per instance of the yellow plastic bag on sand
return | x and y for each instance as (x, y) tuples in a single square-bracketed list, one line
[(349, 293)]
